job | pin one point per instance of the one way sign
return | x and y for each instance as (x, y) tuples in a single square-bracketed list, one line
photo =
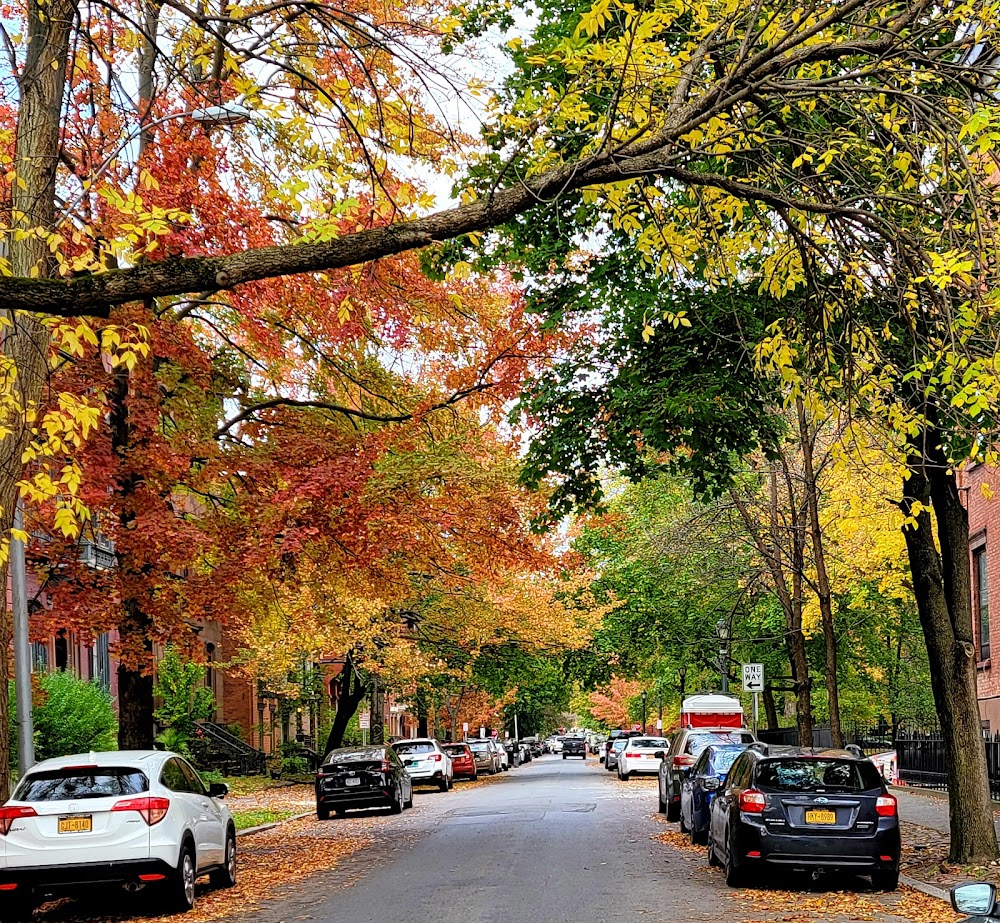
[(753, 677)]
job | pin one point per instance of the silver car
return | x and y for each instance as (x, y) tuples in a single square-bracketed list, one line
[(611, 763)]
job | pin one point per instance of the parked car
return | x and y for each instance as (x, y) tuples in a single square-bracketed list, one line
[(463, 763), (639, 755), (704, 779), (362, 777), (611, 760), (574, 746), (140, 818), (526, 753), (513, 753), (555, 744), (503, 761), (796, 808), (685, 748), (425, 761), (485, 756)]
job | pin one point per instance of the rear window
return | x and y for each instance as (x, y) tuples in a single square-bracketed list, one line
[(414, 748), (354, 756), (479, 748), (817, 775), (724, 759), (77, 784), (697, 742), (455, 749), (656, 742)]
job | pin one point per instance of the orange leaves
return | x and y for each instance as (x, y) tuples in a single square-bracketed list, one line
[(611, 704)]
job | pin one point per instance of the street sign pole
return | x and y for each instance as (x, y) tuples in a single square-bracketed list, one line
[(755, 712), (753, 681)]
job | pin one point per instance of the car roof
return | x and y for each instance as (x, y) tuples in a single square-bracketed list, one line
[(138, 759), (830, 753), (415, 740)]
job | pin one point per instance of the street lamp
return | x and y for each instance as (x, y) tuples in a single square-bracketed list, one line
[(643, 711), (682, 674), (722, 626)]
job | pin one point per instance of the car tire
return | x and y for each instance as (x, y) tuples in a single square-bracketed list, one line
[(443, 785), (683, 824), (713, 859), (17, 909), (564, 756), (662, 803), (225, 877), (699, 837), (885, 880), (397, 805), (673, 809), (340, 812), (322, 812), (474, 777), (409, 803), (734, 873), (624, 776), (181, 882)]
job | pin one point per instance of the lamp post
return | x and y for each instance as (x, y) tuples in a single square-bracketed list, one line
[(643, 711), (722, 626), (682, 674)]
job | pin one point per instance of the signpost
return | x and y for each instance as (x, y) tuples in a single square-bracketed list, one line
[(465, 729), (753, 681), (364, 723)]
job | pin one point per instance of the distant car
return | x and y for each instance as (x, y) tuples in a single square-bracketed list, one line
[(463, 763), (556, 744), (611, 760), (793, 808), (699, 788), (685, 748), (503, 760), (425, 761), (526, 753), (485, 756), (135, 818), (513, 753), (362, 777), (602, 749), (574, 746), (639, 755)]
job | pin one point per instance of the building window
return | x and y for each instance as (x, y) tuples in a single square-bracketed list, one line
[(982, 601), (62, 650), (100, 669)]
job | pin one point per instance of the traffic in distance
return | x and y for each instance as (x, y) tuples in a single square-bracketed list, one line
[(144, 820)]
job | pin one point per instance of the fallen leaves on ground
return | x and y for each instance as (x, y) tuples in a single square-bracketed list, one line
[(295, 798), (680, 841), (925, 857)]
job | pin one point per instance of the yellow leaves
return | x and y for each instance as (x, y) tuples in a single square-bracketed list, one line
[(592, 21)]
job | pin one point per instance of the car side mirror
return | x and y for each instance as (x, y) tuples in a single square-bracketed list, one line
[(711, 784), (976, 898), (218, 790), (660, 755)]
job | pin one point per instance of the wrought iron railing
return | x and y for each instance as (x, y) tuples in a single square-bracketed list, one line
[(216, 748)]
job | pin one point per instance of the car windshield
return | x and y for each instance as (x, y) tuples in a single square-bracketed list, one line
[(697, 742), (722, 760), (419, 746), (74, 784), (657, 743), (479, 748), (817, 775), (354, 756)]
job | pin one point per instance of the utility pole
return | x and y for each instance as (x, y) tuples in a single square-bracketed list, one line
[(723, 628), (22, 646)]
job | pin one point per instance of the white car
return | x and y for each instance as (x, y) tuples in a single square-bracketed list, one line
[(134, 818), (639, 755), (555, 744), (502, 754), (425, 761)]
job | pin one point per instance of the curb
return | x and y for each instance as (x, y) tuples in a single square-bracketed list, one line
[(925, 888), (262, 827)]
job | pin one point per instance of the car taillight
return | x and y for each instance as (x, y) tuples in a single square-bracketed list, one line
[(885, 806), (682, 761), (632, 756), (10, 814), (386, 766), (752, 802), (152, 810)]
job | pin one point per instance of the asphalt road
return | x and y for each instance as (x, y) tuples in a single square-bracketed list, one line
[(553, 841)]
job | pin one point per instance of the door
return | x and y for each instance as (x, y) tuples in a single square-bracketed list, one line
[(212, 821)]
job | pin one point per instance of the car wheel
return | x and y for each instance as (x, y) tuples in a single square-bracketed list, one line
[(625, 776), (474, 777), (659, 798), (340, 812), (684, 827), (734, 873), (396, 806), (698, 837), (713, 859), (322, 812), (443, 785), (226, 876), (885, 880), (673, 808), (564, 756), (182, 881), (409, 802), (18, 909)]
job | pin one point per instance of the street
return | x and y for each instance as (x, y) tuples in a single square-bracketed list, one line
[(559, 840)]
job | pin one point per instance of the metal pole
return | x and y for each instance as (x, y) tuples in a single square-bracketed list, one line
[(755, 713), (22, 647), (515, 727)]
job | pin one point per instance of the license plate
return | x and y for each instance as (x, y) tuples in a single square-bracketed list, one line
[(350, 782), (821, 817), (411, 762), (82, 823)]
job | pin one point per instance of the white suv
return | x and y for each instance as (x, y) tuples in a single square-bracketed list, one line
[(133, 818), (425, 761)]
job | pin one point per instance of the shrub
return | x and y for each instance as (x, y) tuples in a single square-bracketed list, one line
[(70, 716)]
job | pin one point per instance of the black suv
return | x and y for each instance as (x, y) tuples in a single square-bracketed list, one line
[(805, 809), (574, 746)]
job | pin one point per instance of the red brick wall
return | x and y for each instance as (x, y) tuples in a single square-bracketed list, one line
[(984, 531)]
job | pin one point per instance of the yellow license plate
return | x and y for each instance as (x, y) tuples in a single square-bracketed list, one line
[(81, 824), (821, 817)]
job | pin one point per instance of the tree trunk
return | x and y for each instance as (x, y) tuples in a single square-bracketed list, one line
[(352, 694), (941, 583), (135, 685), (807, 439), (25, 341)]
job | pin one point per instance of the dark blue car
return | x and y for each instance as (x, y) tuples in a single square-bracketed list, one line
[(699, 787)]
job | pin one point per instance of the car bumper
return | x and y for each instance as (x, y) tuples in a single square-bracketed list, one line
[(877, 851), (355, 798), (419, 774), (652, 770), (60, 877)]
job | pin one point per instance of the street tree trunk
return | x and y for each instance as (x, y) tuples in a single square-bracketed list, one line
[(807, 440), (353, 690), (770, 711), (942, 585), (25, 341)]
